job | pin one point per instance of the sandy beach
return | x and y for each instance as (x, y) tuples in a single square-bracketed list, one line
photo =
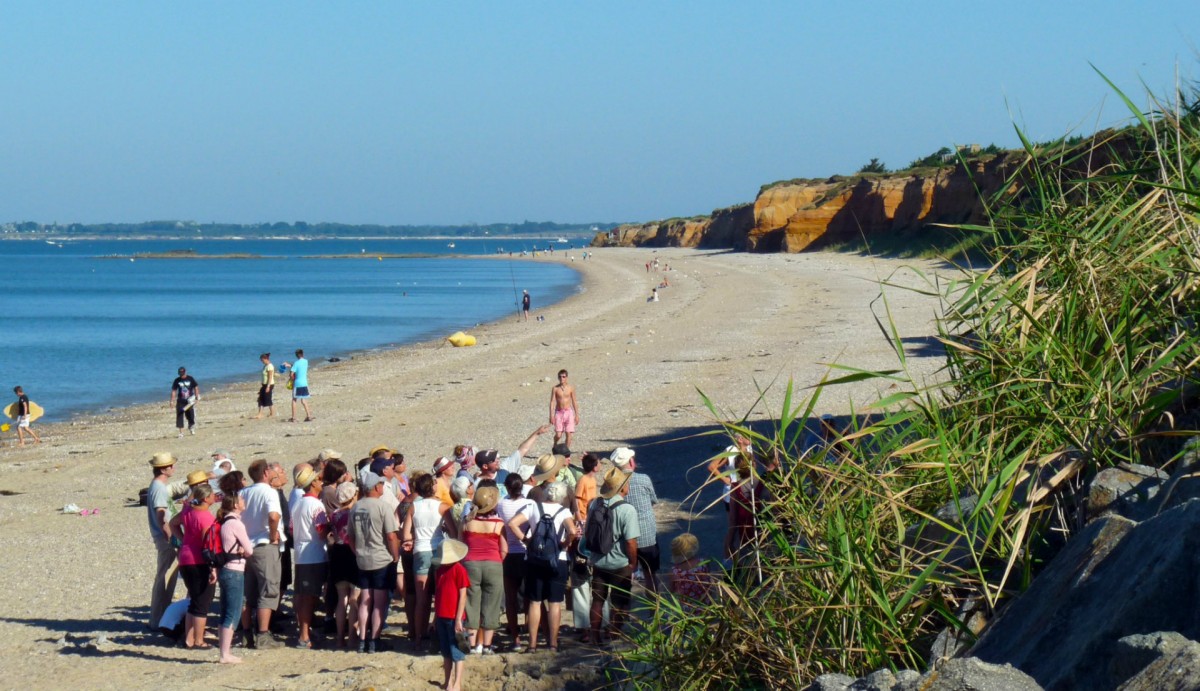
[(729, 325)]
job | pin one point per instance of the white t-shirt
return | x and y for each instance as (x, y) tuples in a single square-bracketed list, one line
[(307, 515), (507, 509), (560, 514), (261, 501)]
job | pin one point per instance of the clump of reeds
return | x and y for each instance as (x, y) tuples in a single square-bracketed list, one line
[(1073, 351)]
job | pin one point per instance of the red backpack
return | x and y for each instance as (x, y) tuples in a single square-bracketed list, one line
[(213, 549)]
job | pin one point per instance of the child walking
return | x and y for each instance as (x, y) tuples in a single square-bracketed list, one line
[(450, 605)]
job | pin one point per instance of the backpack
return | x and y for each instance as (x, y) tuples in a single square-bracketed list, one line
[(599, 536), (544, 545), (213, 550)]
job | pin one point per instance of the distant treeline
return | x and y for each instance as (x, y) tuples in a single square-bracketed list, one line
[(300, 228)]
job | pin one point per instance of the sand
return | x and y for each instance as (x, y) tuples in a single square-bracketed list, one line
[(730, 325)]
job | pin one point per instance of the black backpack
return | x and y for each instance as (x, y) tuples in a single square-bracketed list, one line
[(544, 545), (598, 536)]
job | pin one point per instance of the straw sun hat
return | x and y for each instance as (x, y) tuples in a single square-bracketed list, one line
[(162, 460), (547, 468), (452, 551), (486, 499), (614, 481), (197, 477)]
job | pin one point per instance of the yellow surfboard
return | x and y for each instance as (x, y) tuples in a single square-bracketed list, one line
[(35, 411)]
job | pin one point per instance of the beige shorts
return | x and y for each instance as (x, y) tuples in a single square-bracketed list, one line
[(263, 572)]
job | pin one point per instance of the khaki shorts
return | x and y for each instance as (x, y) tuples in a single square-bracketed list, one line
[(262, 577), (310, 579)]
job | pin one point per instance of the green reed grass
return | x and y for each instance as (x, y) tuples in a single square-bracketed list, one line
[(1071, 353)]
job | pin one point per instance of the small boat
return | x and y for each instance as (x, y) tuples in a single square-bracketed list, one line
[(451, 245), (562, 241)]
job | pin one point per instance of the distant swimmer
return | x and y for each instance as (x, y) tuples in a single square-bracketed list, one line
[(525, 304), (24, 413), (564, 408), (267, 389), (300, 386), (185, 393)]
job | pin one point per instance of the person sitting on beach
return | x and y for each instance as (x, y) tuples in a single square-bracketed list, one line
[(514, 562), (423, 530), (343, 567), (373, 539), (310, 525), (199, 578), (691, 579), (160, 502), (262, 515), (545, 583), (483, 533), (236, 543)]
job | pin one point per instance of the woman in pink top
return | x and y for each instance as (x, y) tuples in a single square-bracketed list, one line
[(235, 541), (486, 548), (194, 520)]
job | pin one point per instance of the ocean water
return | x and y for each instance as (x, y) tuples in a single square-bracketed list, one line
[(81, 332)]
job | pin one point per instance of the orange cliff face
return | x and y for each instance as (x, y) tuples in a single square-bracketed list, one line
[(792, 217)]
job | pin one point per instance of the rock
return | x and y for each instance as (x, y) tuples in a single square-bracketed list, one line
[(1176, 671), (832, 682), (1114, 579), (951, 641), (973, 674), (1135, 653), (907, 680), (879, 680), (1126, 489)]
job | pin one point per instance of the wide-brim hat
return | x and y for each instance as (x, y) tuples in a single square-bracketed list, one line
[(329, 455), (441, 464), (377, 449), (345, 492), (162, 460), (306, 477), (614, 481), (452, 551), (621, 456), (547, 468), (684, 547), (197, 477), (486, 499)]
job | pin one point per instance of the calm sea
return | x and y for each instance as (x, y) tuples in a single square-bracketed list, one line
[(84, 333)]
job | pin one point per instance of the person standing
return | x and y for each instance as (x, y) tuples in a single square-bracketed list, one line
[(300, 386), (185, 393), (373, 538), (261, 516), (612, 570), (564, 408), (23, 421), (525, 304), (643, 498), (160, 498), (267, 389), (310, 525)]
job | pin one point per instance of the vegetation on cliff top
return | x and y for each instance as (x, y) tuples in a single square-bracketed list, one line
[(1069, 354)]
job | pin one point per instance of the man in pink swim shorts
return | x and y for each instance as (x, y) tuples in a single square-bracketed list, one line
[(564, 408)]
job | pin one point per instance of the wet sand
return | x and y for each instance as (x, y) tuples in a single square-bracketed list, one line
[(730, 325)]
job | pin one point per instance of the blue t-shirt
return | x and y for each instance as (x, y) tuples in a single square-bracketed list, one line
[(300, 369)]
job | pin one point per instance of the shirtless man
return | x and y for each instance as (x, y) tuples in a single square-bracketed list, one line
[(564, 409)]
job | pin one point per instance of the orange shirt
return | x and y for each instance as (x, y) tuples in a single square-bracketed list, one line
[(441, 492), (585, 492)]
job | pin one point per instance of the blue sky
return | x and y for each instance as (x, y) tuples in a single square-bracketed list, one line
[(461, 112)]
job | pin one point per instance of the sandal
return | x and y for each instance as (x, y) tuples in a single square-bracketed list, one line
[(309, 419)]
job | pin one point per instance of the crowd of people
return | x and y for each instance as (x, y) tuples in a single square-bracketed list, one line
[(464, 549)]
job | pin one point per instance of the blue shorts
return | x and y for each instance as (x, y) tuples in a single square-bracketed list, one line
[(422, 563), (300, 392), (446, 642), (375, 579)]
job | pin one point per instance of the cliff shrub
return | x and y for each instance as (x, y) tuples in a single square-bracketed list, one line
[(1071, 352)]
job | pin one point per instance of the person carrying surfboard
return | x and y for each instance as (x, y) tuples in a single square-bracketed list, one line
[(24, 413)]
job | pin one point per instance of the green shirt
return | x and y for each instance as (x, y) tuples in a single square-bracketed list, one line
[(624, 520)]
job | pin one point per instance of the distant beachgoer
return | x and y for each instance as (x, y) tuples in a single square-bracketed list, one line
[(525, 304), (23, 411), (266, 391), (564, 408), (653, 295), (185, 393), (300, 386)]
